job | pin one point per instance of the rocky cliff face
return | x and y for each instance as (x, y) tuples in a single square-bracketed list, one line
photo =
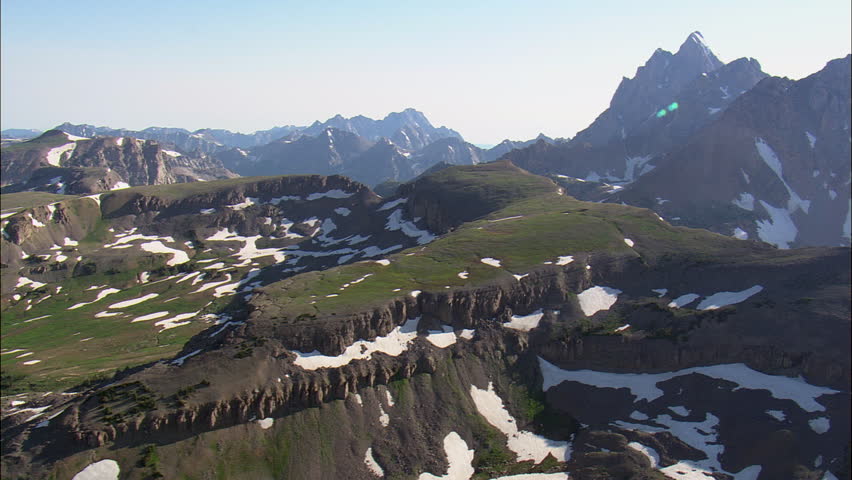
[(270, 385), (774, 166), (655, 86), (178, 138), (59, 163)]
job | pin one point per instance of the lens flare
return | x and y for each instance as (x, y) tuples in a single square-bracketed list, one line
[(673, 106), (661, 113)]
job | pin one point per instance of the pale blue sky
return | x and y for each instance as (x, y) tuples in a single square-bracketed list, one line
[(490, 69)]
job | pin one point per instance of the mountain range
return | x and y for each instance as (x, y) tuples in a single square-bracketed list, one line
[(396, 148), (303, 327), (627, 304)]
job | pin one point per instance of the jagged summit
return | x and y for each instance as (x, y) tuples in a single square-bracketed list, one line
[(655, 84), (696, 37), (696, 49)]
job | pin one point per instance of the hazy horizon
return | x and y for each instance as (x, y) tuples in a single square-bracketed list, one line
[(494, 71)]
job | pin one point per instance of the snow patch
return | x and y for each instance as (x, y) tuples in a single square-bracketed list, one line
[(179, 361), (635, 167), (384, 418), (100, 296), (777, 414), (372, 465), (744, 201), (820, 425), (525, 323), (651, 454), (459, 459), (178, 256), (740, 234), (564, 260), (597, 298), (393, 344), (680, 410), (722, 299), (779, 230), (336, 193), (629, 242), (266, 423), (683, 300), (811, 139), (176, 321), (392, 204), (131, 302), (54, 156), (441, 338), (23, 281), (771, 159), (103, 470), (527, 445), (643, 385), (249, 201), (490, 261), (395, 222), (150, 316)]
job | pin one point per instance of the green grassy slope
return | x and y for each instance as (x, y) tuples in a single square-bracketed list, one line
[(531, 225)]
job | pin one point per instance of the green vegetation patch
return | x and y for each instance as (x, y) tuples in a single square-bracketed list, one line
[(43, 141), (536, 225), (179, 191)]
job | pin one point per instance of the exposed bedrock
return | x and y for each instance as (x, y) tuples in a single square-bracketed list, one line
[(268, 384)]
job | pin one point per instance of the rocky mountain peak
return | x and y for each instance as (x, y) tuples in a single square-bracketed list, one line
[(696, 51), (655, 84)]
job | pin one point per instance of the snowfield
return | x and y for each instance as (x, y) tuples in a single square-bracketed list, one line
[(643, 386)]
